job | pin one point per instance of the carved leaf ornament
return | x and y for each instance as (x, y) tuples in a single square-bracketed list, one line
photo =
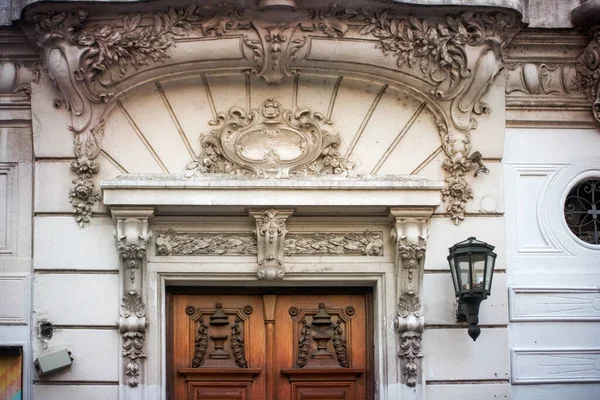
[(270, 142)]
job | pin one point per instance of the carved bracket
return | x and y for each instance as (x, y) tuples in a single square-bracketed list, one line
[(132, 235), (271, 229), (410, 235)]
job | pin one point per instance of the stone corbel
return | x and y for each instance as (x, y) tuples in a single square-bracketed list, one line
[(271, 229), (132, 235), (587, 16), (409, 233)]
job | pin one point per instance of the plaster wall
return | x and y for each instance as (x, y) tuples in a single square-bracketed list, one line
[(553, 277)]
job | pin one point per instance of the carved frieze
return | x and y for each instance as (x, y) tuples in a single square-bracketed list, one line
[(187, 243), (172, 243), (329, 243), (270, 142)]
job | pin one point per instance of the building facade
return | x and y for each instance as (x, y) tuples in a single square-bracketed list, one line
[(255, 199)]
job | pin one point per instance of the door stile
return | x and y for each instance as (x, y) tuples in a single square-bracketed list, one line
[(269, 303)]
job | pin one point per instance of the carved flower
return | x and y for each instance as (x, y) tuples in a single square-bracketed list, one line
[(82, 191), (459, 191)]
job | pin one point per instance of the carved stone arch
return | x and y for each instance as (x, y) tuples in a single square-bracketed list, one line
[(448, 60)]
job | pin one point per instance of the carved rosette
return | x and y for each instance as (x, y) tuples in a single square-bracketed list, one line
[(270, 142), (271, 229), (132, 235), (410, 233)]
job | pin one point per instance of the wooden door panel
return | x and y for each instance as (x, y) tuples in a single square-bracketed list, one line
[(217, 351), (271, 347), (320, 391), (217, 391)]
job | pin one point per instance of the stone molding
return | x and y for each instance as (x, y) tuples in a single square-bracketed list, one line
[(560, 81), (409, 232), (132, 235), (455, 57)]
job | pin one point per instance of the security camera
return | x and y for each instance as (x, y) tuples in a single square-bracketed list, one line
[(52, 362)]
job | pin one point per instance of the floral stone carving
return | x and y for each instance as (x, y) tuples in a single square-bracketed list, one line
[(270, 142), (410, 324), (352, 243), (179, 243)]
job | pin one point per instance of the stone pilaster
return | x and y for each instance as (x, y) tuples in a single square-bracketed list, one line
[(132, 235), (409, 232)]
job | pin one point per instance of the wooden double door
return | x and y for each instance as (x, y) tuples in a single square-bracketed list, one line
[(270, 346)]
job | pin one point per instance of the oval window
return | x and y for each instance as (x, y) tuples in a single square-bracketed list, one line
[(582, 211)]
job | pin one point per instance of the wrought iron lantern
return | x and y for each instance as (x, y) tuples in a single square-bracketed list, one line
[(472, 267)]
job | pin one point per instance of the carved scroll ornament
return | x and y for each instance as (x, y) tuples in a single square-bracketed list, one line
[(270, 142)]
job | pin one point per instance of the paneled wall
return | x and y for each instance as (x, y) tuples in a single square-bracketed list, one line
[(553, 277)]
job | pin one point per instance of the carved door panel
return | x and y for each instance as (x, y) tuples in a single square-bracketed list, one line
[(275, 347)]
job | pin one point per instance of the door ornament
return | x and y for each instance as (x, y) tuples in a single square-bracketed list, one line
[(219, 343), (270, 142), (321, 341)]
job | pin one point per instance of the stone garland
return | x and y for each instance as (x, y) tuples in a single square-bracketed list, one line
[(171, 243)]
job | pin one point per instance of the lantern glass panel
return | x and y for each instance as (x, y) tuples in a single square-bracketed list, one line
[(463, 264), (454, 277), (478, 270), (488, 272)]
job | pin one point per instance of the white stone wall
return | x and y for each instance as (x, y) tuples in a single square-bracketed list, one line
[(553, 277)]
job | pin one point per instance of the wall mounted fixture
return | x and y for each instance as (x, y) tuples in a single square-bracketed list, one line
[(477, 158), (472, 267)]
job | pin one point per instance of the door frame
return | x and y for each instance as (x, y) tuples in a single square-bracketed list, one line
[(385, 367)]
